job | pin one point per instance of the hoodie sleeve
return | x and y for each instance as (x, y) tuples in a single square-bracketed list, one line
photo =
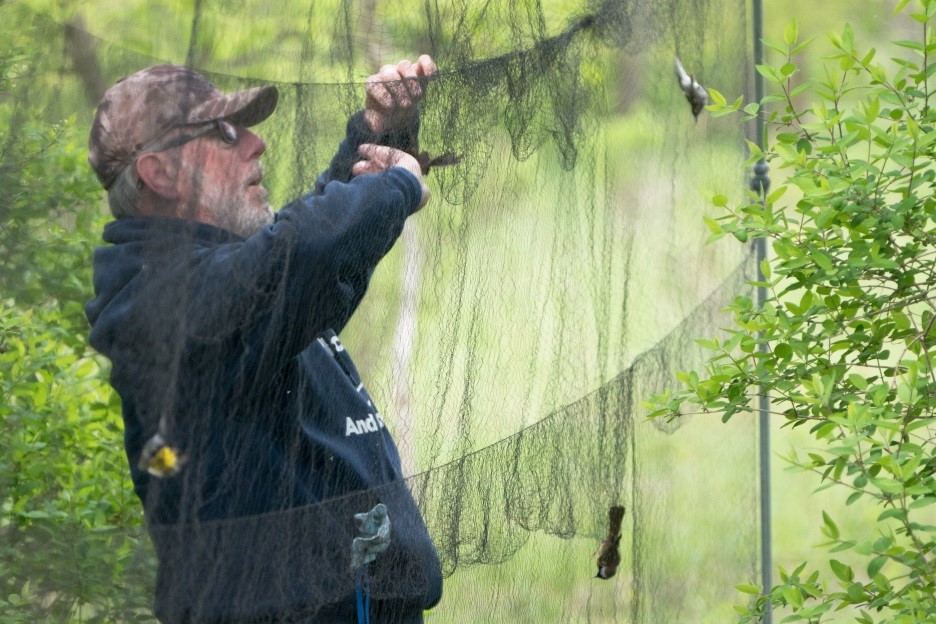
[(275, 292), (357, 133)]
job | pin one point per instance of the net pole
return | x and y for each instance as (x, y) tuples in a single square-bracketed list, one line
[(760, 183)]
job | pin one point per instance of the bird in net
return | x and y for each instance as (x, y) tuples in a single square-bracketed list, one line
[(504, 231)]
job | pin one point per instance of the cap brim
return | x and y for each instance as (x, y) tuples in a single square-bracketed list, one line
[(244, 108)]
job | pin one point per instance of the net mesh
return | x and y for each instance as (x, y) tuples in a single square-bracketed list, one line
[(557, 278)]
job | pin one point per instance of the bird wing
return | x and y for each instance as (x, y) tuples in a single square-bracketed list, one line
[(684, 80)]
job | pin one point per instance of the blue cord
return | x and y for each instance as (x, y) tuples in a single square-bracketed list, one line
[(362, 597)]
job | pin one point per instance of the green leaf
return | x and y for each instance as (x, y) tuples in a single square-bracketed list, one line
[(801, 46), (713, 225), (875, 566), (923, 501), (888, 486), (717, 97), (707, 343), (913, 127), (822, 260), (748, 589), (912, 45), (776, 47), (858, 381), (767, 72), (842, 571), (790, 33), (843, 546), (765, 268), (826, 216), (776, 194), (831, 529), (85, 368), (872, 110), (895, 512), (848, 38), (855, 592), (792, 596), (901, 6), (853, 497)]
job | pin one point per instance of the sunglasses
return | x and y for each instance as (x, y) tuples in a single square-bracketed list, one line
[(226, 131)]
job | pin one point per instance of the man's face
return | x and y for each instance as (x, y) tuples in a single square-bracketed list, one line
[(222, 181)]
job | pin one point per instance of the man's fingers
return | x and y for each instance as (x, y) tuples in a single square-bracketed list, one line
[(372, 150), (377, 93), (397, 86), (379, 86), (425, 66), (374, 158), (412, 82), (381, 157), (384, 156), (363, 167), (391, 93), (374, 119), (388, 94), (377, 158)]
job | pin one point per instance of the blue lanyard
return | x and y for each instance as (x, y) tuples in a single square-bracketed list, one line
[(362, 598)]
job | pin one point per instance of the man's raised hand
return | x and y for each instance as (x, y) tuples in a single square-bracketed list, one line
[(377, 158), (393, 93)]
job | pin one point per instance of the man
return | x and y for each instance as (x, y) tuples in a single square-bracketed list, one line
[(252, 441)]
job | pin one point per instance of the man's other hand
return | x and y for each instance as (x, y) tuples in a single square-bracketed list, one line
[(393, 93), (377, 158)]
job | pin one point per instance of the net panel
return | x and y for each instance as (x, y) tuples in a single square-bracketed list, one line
[(557, 278)]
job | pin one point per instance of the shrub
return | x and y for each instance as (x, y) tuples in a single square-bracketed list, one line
[(845, 340)]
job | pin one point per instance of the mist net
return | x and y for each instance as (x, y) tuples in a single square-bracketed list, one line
[(557, 278)]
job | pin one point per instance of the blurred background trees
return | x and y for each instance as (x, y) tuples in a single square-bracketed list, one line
[(68, 520)]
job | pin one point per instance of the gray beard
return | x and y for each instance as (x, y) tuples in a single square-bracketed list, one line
[(233, 213), (244, 221)]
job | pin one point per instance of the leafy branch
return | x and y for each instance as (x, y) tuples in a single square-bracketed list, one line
[(845, 340)]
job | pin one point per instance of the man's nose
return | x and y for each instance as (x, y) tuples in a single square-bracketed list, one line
[(253, 145)]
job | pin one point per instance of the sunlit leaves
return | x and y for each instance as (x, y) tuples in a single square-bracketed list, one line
[(844, 340), (69, 518), (69, 522)]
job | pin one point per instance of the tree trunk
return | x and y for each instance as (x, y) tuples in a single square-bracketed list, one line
[(81, 50)]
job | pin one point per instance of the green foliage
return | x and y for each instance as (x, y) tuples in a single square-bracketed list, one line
[(69, 521), (845, 341), (70, 534), (50, 197)]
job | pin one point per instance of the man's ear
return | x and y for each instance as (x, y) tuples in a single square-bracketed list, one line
[(159, 174)]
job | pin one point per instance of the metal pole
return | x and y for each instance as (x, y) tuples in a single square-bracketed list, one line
[(760, 183)]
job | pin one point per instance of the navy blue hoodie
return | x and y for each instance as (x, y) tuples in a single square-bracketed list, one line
[(233, 344)]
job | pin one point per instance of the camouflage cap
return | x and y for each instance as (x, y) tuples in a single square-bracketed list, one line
[(141, 108)]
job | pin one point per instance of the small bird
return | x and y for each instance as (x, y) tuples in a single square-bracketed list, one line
[(426, 161), (159, 459), (694, 92), (608, 554)]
